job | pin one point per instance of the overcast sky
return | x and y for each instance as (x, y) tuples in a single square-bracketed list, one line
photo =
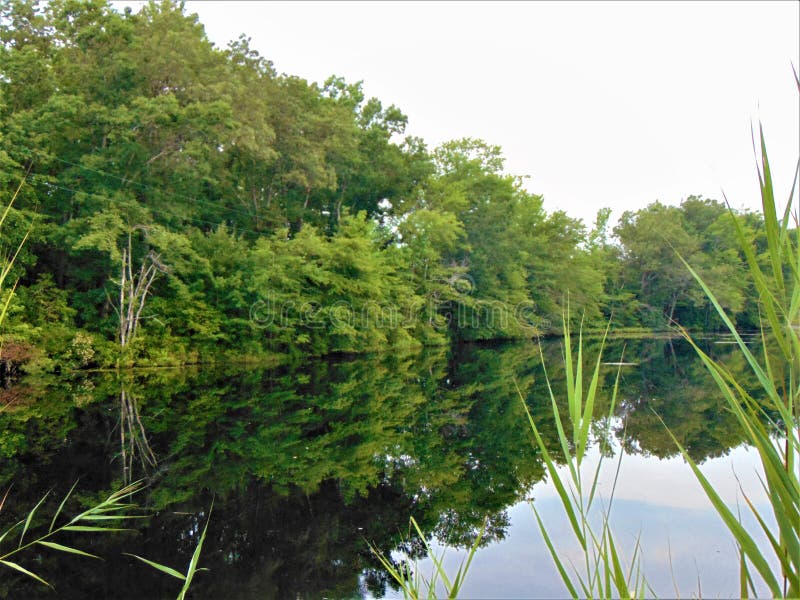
[(601, 104)]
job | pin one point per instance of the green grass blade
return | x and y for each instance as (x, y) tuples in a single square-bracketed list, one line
[(771, 223), (112, 517), (17, 567), (588, 410), (29, 519), (787, 546), (438, 567), (8, 531), (61, 507), (746, 542), (568, 360), (767, 384), (562, 436), (559, 565), (67, 549), (458, 580), (160, 567), (616, 568), (576, 402), (556, 480), (90, 528), (769, 303), (401, 575), (195, 558), (744, 575)]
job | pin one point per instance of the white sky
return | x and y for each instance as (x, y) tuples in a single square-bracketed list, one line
[(602, 104)]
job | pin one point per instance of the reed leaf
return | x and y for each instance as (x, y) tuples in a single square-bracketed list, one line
[(29, 518), (416, 587), (23, 570), (190, 573), (158, 566), (66, 549), (61, 506)]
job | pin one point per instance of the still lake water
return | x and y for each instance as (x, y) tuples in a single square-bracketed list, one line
[(307, 463)]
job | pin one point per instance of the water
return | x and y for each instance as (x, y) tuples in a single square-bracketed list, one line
[(686, 550), (307, 463)]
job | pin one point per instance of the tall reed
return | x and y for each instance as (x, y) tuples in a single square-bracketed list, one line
[(776, 276), (104, 517), (603, 572), (414, 584)]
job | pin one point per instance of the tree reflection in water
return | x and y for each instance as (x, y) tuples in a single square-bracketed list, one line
[(308, 462)]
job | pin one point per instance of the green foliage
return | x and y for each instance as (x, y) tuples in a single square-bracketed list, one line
[(138, 127), (660, 290), (256, 189)]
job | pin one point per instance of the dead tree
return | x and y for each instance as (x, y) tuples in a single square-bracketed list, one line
[(133, 290)]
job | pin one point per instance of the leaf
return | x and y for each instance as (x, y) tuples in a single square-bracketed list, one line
[(195, 558), (553, 553), (90, 528), (67, 549), (745, 541), (61, 506), (112, 517), (30, 518), (15, 566), (9, 530), (160, 567)]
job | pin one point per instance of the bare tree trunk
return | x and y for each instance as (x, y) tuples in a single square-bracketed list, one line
[(133, 290)]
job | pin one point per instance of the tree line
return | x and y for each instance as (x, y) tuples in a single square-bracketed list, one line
[(185, 202)]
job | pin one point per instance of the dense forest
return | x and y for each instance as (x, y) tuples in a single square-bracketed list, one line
[(182, 203)]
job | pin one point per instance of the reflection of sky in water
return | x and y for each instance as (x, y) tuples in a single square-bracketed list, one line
[(659, 499)]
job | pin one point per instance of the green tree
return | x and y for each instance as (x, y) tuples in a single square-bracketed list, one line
[(653, 241)]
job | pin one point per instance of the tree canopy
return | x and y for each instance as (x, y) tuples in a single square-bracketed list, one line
[(210, 206)]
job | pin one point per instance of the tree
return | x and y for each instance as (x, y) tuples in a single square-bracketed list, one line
[(656, 238)]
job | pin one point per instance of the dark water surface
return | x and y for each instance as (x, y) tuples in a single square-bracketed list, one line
[(307, 463)]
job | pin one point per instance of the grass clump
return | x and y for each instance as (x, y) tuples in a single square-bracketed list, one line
[(416, 586), (602, 573)]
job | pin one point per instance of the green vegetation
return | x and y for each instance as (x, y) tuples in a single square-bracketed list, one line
[(182, 204), (771, 417), (767, 413), (191, 570), (189, 204), (414, 585), (602, 573), (103, 517)]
